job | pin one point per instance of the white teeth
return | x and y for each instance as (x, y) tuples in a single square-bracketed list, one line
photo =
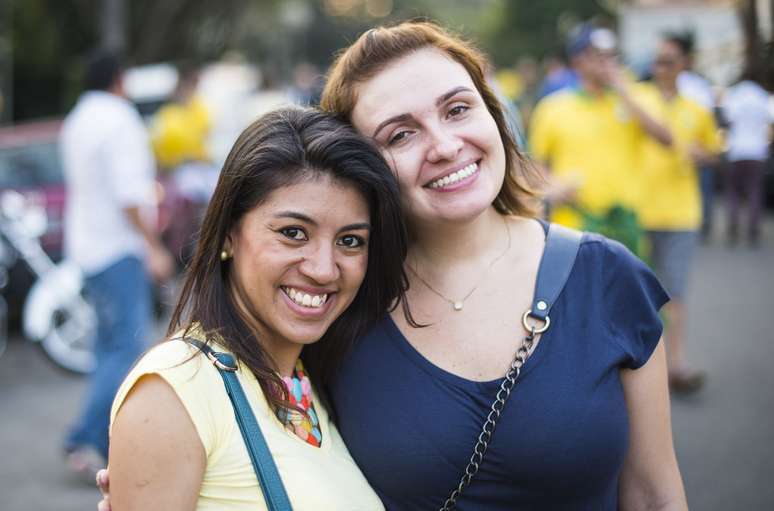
[(305, 299), (461, 174)]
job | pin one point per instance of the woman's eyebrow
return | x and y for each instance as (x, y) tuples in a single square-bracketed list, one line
[(296, 215), (438, 102), (356, 227), (447, 95), (311, 221), (394, 118)]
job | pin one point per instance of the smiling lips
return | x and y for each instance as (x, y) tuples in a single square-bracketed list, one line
[(305, 299), (454, 177)]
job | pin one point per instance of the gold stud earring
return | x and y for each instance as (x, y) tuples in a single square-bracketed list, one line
[(224, 255)]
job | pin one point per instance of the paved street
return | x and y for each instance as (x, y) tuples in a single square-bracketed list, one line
[(724, 435)]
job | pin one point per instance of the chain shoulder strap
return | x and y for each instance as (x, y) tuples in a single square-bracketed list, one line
[(503, 393), (561, 248)]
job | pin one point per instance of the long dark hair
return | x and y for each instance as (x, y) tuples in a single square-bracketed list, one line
[(282, 148)]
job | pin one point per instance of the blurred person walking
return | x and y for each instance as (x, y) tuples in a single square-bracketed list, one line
[(694, 86), (746, 108), (109, 171), (589, 136), (670, 210), (179, 134)]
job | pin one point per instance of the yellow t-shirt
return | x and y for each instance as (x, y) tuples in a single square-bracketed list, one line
[(315, 478), (591, 141), (671, 199)]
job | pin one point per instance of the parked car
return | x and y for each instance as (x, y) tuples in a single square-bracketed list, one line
[(30, 164)]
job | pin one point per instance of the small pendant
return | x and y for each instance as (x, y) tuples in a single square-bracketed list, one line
[(458, 306)]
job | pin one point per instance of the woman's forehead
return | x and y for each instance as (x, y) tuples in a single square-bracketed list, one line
[(409, 84)]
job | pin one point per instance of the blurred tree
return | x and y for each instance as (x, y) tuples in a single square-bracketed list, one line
[(195, 29), (48, 38), (759, 52), (519, 28), (113, 25), (45, 34)]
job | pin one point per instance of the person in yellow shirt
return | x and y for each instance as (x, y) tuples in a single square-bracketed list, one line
[(670, 208), (302, 248), (180, 128), (589, 136)]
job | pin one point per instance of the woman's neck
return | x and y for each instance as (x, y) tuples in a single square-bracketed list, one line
[(284, 358), (282, 352), (441, 247)]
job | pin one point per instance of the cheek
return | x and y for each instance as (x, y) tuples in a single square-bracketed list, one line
[(405, 165), (354, 270)]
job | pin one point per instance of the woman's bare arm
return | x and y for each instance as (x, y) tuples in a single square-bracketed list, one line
[(650, 479), (157, 460)]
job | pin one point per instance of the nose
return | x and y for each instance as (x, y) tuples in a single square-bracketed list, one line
[(320, 264), (444, 145)]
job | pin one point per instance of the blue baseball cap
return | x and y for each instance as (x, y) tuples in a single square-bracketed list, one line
[(586, 36)]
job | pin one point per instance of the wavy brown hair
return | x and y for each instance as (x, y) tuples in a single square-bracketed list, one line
[(282, 148), (378, 47)]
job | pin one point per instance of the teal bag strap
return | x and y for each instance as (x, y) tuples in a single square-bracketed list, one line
[(268, 476)]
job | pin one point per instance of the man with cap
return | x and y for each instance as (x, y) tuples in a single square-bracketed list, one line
[(589, 136)]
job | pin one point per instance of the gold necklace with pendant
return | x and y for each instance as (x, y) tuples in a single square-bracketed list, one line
[(458, 305)]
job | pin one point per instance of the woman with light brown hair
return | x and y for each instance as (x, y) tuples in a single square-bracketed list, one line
[(587, 425)]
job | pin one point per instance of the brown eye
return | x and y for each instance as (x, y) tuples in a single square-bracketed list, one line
[(401, 135), (457, 110), (351, 241), (294, 233)]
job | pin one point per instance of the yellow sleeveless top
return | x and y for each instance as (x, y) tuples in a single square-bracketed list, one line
[(316, 478)]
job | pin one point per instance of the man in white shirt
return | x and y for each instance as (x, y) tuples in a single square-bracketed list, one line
[(746, 107), (109, 232)]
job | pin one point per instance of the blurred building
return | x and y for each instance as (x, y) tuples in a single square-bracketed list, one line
[(715, 24)]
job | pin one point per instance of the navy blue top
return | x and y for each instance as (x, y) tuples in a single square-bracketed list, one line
[(562, 439)]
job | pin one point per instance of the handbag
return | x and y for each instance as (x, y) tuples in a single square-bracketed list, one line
[(268, 476), (558, 258)]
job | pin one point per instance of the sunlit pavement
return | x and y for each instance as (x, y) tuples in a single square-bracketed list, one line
[(724, 434)]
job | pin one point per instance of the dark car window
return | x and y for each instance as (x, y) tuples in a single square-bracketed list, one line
[(30, 166)]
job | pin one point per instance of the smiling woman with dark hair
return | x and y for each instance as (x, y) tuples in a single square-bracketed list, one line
[(300, 252)]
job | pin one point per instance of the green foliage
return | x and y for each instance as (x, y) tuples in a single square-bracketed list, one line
[(45, 35), (527, 28), (50, 38)]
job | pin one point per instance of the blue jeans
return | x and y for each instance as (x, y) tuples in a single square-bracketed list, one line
[(121, 295), (707, 186)]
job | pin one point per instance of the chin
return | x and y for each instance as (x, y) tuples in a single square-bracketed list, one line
[(465, 210), (305, 335)]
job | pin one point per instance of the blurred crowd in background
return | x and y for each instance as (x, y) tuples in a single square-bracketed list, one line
[(198, 74), (568, 74), (651, 119)]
